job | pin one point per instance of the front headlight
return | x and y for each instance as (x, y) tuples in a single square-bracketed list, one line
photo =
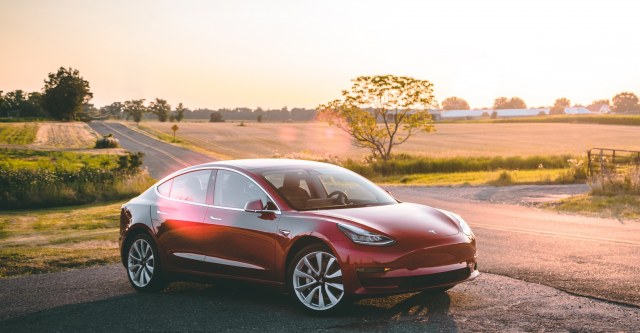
[(463, 225), (364, 237)]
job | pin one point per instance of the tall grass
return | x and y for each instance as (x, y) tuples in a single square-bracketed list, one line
[(36, 180), (616, 183), (403, 164)]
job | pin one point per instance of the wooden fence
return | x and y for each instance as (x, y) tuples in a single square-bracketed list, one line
[(612, 169)]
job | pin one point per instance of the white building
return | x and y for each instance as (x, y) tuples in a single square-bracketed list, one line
[(464, 114), (577, 110), (514, 113)]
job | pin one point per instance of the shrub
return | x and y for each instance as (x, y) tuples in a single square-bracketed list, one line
[(504, 179), (36, 180), (107, 141)]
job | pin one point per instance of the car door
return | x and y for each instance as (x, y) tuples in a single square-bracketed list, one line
[(240, 243), (179, 213)]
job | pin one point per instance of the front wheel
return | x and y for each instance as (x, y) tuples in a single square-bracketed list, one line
[(315, 280), (143, 264)]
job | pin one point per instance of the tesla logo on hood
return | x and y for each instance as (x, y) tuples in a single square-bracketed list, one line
[(432, 231)]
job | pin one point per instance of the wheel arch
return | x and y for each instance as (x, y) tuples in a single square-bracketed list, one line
[(133, 231), (300, 244)]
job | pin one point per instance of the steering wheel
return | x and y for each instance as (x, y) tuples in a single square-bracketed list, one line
[(341, 197)]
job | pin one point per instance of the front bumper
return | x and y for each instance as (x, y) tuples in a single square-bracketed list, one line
[(407, 266)]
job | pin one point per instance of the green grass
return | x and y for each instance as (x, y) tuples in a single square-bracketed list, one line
[(161, 136), (18, 134), (476, 178), (404, 164), (50, 160), (169, 138), (621, 206), (50, 240), (609, 119), (37, 179)]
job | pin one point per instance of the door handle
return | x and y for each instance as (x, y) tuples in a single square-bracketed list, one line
[(215, 218), (161, 212)]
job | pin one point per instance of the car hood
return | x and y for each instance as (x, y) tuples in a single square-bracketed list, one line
[(403, 220)]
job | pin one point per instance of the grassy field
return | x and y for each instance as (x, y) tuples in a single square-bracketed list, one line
[(50, 240), (476, 178), (18, 133), (450, 140), (609, 119), (73, 135), (50, 136)]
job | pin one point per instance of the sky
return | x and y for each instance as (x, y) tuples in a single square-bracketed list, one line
[(270, 54)]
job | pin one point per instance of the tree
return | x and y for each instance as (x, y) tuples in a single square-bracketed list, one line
[(160, 108), (501, 103), (22, 104), (381, 112), (216, 117), (114, 110), (64, 93), (180, 112), (454, 103), (134, 108), (559, 105), (625, 101), (601, 102), (14, 99)]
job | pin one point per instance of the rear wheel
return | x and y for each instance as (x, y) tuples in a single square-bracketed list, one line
[(143, 264), (315, 280)]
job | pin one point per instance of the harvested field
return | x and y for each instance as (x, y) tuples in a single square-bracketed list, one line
[(65, 135), (520, 139)]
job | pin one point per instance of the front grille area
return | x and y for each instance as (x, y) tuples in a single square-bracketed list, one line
[(416, 282)]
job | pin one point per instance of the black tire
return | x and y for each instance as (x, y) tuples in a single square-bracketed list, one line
[(324, 293), (142, 262)]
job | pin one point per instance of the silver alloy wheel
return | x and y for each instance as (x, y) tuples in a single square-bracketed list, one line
[(140, 263), (317, 281)]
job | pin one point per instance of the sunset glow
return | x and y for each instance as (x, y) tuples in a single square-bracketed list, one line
[(303, 53)]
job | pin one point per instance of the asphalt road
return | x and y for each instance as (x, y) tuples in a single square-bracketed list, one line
[(535, 255), (160, 158), (587, 256), (99, 299)]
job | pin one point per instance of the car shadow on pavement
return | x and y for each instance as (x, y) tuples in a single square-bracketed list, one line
[(236, 307)]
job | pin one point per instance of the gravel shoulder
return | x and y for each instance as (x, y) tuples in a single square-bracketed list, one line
[(525, 195)]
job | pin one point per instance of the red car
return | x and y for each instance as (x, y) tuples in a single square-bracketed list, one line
[(324, 233)]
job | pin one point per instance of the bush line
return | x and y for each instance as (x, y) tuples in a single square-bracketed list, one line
[(403, 164)]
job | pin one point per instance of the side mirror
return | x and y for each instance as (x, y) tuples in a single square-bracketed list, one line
[(253, 206)]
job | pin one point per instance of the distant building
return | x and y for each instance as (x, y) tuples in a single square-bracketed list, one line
[(515, 113), (464, 114), (502, 113), (435, 114), (577, 110), (599, 108)]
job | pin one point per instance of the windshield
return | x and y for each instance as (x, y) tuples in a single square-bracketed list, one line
[(326, 188)]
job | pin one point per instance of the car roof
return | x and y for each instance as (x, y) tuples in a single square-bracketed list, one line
[(264, 164)]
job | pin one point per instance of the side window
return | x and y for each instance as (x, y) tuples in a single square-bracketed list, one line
[(235, 190), (165, 188), (191, 186)]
